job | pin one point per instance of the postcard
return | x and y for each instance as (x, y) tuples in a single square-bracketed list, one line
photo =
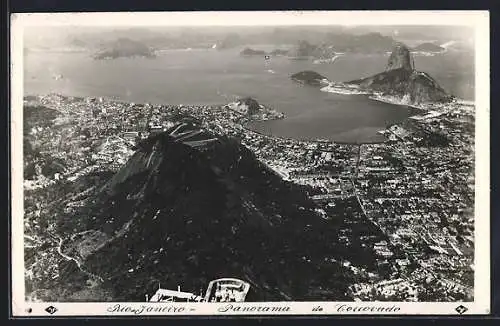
[(250, 163)]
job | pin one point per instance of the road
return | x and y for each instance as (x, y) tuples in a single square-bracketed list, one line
[(69, 258)]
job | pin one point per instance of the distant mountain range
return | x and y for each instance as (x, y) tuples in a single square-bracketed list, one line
[(189, 207), (366, 39), (305, 49), (125, 47), (364, 43), (334, 44), (428, 47)]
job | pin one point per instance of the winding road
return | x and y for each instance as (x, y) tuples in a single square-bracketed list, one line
[(69, 258)]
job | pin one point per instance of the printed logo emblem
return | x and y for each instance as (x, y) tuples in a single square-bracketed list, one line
[(461, 309), (51, 309)]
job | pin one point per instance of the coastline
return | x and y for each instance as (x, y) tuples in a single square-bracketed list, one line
[(395, 101), (111, 99), (305, 140), (245, 124), (341, 89), (429, 108), (338, 88)]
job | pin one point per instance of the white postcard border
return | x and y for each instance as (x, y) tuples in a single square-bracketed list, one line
[(477, 19)]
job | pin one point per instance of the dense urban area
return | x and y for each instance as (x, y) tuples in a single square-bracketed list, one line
[(404, 206)]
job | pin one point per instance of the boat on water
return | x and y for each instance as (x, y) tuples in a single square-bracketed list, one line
[(219, 290)]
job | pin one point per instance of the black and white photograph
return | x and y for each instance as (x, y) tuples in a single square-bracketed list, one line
[(250, 162)]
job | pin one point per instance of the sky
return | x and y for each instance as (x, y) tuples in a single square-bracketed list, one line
[(248, 18)]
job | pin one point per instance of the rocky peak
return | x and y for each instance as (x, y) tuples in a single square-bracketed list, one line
[(402, 80), (246, 106), (400, 58)]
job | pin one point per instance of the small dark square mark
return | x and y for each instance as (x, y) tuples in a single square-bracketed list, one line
[(29, 310), (51, 309), (461, 309)]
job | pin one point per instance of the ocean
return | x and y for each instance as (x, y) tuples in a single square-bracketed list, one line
[(209, 77)]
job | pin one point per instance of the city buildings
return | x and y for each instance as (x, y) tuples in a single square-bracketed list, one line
[(403, 207)]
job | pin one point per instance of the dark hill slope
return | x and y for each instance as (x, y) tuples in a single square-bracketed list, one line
[(417, 86), (38, 116), (181, 215)]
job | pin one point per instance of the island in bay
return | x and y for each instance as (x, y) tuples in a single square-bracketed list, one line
[(124, 48)]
